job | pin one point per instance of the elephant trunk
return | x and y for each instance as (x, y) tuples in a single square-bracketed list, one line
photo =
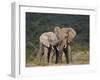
[(60, 51)]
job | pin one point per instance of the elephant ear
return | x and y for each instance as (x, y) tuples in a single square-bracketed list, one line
[(56, 30), (44, 40), (71, 34)]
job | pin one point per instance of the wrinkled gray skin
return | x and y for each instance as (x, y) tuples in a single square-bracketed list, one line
[(65, 36), (47, 41), (60, 40)]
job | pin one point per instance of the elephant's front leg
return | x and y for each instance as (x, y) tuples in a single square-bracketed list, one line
[(40, 55), (60, 57), (68, 55), (45, 56), (49, 55), (57, 54)]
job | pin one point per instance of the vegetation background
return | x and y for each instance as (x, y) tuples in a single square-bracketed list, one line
[(38, 23)]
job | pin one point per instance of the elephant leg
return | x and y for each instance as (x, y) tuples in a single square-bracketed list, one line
[(56, 57), (60, 57), (46, 50), (41, 53), (49, 56), (41, 56), (68, 55), (57, 54), (53, 55)]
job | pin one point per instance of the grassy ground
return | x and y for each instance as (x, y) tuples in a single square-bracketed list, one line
[(80, 55)]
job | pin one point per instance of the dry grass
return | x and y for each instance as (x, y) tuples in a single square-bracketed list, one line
[(77, 58)]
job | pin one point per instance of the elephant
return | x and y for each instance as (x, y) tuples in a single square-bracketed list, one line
[(60, 40), (48, 40), (65, 37)]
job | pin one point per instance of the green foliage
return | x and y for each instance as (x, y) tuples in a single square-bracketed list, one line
[(80, 46)]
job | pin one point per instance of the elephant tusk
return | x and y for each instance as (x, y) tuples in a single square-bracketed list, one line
[(66, 45), (58, 49), (52, 47)]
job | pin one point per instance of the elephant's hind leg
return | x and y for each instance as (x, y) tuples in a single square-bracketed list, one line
[(57, 54)]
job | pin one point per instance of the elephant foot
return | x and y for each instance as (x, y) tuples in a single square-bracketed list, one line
[(56, 62), (50, 63)]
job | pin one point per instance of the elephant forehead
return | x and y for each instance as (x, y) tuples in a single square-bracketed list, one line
[(44, 40), (61, 34), (64, 30)]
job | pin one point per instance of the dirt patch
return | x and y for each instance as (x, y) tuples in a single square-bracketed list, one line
[(77, 58)]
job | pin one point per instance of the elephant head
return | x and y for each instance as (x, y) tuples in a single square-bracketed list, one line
[(48, 38), (65, 37)]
